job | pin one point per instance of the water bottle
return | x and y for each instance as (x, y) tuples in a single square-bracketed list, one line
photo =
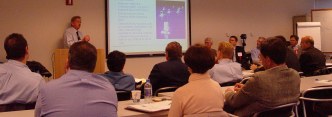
[(148, 91)]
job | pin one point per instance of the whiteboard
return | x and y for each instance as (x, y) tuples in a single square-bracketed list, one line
[(312, 29), (325, 17)]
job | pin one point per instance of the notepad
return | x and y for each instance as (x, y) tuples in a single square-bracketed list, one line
[(151, 107)]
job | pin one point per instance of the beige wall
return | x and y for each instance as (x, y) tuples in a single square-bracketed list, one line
[(43, 22)]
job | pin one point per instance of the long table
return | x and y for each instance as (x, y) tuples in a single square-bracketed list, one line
[(306, 83)]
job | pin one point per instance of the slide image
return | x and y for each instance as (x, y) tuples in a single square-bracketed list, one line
[(170, 17)]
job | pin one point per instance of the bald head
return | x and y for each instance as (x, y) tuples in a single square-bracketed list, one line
[(307, 42)]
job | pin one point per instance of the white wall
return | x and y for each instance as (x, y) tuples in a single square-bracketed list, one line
[(43, 22)]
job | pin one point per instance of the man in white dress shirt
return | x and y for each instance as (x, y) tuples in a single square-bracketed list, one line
[(17, 83), (226, 70), (72, 34)]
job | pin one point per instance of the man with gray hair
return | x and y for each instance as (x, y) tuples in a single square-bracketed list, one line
[(311, 58), (208, 42), (255, 52)]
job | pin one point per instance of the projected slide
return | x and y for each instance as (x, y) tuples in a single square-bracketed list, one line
[(147, 26)]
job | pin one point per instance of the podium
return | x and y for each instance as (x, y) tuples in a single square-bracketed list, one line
[(61, 56)]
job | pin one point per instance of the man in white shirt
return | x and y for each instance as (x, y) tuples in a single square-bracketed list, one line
[(72, 34), (255, 52), (17, 83), (294, 39), (226, 70)]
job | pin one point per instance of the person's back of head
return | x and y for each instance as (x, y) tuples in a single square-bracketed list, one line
[(82, 56), (116, 61), (199, 59), (283, 39), (16, 47), (226, 50), (275, 49), (173, 51)]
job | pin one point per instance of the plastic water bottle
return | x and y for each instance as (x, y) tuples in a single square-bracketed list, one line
[(148, 91)]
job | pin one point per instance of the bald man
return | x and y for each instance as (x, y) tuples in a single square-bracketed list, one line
[(311, 58)]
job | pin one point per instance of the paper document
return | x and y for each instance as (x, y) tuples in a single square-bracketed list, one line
[(151, 107)]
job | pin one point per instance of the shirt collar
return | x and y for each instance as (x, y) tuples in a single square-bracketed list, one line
[(115, 73), (196, 76), (16, 63), (225, 60), (279, 67), (78, 72)]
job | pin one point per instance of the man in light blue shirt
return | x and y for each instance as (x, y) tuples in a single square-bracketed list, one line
[(120, 80), (79, 92), (226, 70), (17, 83), (255, 52), (72, 34)]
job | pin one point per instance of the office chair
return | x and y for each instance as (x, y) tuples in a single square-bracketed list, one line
[(285, 110), (317, 101)]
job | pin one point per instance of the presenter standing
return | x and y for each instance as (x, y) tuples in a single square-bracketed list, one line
[(72, 34)]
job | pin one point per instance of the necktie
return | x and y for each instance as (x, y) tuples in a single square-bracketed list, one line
[(78, 36)]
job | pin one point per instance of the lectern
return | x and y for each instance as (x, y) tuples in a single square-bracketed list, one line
[(60, 59)]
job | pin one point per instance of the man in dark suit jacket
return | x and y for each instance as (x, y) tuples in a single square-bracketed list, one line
[(311, 58), (239, 53), (292, 60), (172, 72), (277, 85)]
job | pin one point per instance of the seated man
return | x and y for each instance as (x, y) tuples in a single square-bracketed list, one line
[(78, 93), (120, 80), (201, 94), (275, 86), (294, 39), (239, 53), (255, 52), (291, 58), (17, 83), (173, 72), (226, 70), (208, 42), (311, 58)]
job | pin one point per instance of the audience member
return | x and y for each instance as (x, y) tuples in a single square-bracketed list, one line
[(239, 53), (201, 94), (255, 52), (172, 72), (291, 59), (294, 39), (79, 92), (17, 83), (311, 58), (275, 86), (208, 43), (226, 70), (72, 34), (120, 80)]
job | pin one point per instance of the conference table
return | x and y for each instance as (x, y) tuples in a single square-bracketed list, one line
[(306, 83)]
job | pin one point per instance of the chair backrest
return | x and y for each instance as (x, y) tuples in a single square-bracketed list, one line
[(16, 107), (123, 95), (317, 100), (231, 83), (285, 110), (165, 89)]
